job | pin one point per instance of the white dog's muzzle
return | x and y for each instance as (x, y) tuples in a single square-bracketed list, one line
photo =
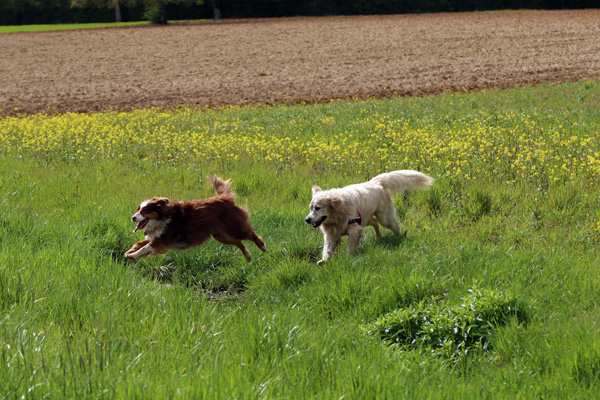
[(317, 223)]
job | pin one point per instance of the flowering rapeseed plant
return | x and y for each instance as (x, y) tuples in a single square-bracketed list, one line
[(509, 146)]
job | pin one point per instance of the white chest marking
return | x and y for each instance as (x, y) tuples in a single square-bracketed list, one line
[(155, 228)]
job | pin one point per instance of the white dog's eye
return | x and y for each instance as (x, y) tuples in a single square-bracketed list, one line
[(317, 208)]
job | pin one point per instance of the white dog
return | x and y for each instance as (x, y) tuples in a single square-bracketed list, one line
[(349, 210)]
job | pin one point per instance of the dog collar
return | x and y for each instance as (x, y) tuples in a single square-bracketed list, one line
[(356, 220)]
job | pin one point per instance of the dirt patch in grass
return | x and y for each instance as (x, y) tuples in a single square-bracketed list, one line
[(293, 60)]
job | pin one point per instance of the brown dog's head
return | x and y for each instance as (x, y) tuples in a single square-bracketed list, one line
[(152, 209), (325, 204)]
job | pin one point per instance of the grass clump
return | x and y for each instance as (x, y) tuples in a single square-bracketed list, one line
[(449, 331)]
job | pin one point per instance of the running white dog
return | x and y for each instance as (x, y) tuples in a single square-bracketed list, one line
[(349, 210)]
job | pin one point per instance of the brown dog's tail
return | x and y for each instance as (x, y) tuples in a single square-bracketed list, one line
[(223, 188)]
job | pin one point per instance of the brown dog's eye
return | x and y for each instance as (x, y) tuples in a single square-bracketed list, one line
[(317, 208)]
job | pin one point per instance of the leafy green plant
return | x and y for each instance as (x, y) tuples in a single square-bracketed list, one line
[(449, 330), (434, 201), (478, 204)]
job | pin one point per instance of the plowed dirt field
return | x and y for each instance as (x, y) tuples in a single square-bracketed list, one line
[(293, 60)]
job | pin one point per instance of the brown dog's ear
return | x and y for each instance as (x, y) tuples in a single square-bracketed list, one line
[(316, 189)]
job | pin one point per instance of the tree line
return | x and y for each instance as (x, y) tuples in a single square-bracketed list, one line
[(22, 12)]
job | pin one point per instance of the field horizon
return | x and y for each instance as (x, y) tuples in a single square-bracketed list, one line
[(293, 60)]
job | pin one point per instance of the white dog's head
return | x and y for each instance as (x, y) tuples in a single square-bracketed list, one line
[(323, 206)]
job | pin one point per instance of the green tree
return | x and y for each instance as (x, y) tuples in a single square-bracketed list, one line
[(156, 10), (116, 4)]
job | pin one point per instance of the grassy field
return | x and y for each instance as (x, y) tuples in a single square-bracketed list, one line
[(62, 27), (514, 211)]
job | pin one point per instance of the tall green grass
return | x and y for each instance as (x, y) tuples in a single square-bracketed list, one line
[(62, 27), (79, 320)]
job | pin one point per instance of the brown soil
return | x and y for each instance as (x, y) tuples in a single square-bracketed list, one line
[(292, 60)]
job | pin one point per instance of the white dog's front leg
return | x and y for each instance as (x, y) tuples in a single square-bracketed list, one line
[(354, 236), (331, 244)]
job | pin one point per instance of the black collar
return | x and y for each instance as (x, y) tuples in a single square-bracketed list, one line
[(356, 220)]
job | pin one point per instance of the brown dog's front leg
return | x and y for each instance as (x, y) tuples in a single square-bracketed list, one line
[(147, 250), (136, 247)]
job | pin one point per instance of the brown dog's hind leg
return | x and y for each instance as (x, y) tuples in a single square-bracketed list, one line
[(258, 241), (238, 243)]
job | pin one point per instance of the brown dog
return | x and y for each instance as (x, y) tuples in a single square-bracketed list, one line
[(170, 224)]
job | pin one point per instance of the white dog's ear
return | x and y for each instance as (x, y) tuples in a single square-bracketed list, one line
[(316, 189), (336, 202)]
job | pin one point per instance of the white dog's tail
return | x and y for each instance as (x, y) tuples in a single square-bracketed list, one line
[(399, 181)]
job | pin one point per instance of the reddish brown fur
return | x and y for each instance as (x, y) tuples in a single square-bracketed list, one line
[(183, 224)]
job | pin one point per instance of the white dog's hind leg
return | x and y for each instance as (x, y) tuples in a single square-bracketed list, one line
[(331, 244), (387, 217), (375, 224), (354, 236)]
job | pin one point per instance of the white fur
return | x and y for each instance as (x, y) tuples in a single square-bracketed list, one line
[(372, 199), (137, 217), (155, 228)]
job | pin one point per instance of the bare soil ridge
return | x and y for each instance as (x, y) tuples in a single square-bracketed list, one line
[(293, 60)]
